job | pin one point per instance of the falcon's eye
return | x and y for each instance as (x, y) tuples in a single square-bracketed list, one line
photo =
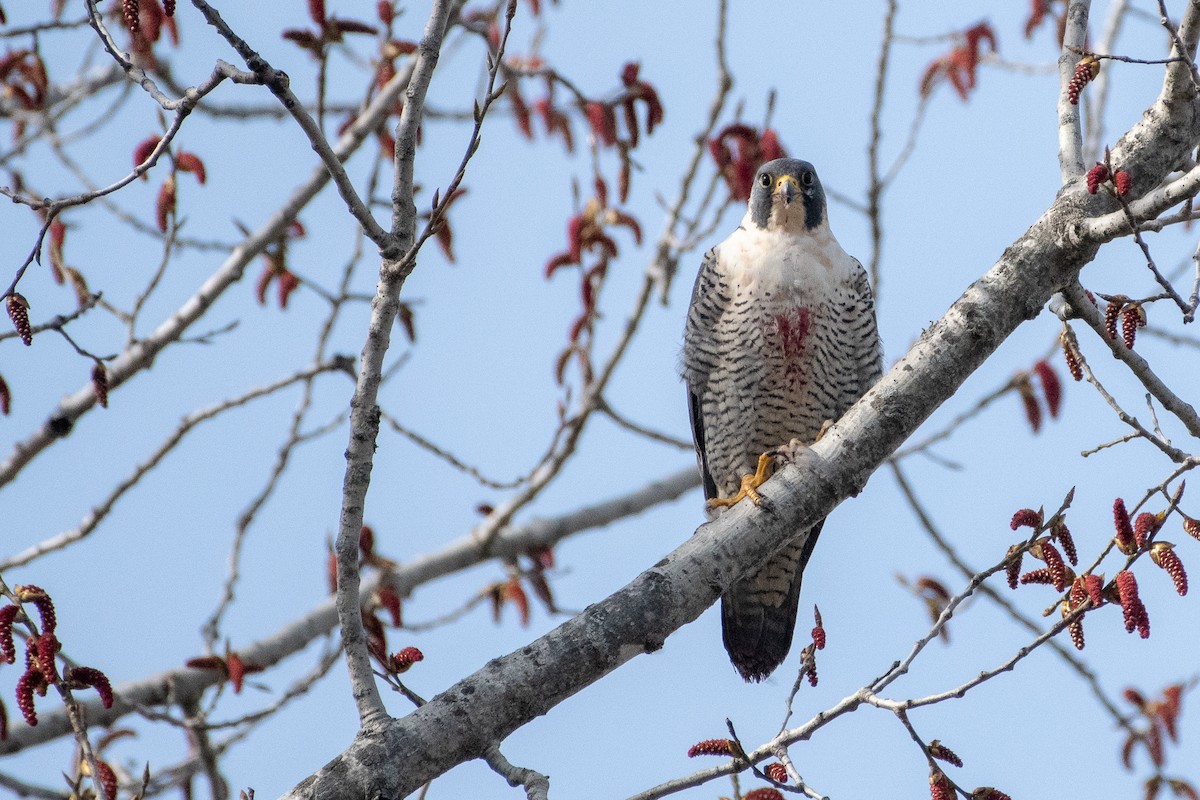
[(807, 178), (765, 180)]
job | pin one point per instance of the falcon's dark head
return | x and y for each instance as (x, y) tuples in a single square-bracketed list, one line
[(787, 195)]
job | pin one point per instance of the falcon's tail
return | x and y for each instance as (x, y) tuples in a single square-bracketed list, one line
[(758, 613)]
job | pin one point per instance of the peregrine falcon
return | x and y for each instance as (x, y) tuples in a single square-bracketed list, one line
[(780, 339)]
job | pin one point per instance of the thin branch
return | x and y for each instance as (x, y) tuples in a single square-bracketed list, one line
[(277, 82), (641, 430), (448, 457), (1075, 662), (141, 354), (1084, 309), (1097, 93), (876, 185), (1070, 139), (364, 408), (100, 511)]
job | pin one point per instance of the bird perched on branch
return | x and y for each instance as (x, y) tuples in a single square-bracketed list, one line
[(780, 339)]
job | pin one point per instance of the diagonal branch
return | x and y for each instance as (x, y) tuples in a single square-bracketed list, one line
[(466, 719)]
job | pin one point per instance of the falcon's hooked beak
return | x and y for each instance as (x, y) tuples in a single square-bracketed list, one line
[(787, 188)]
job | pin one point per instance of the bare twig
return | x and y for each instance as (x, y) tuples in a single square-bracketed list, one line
[(1070, 138)]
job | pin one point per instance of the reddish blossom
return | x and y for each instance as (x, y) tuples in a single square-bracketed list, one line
[(960, 64), (1059, 573), (1133, 317), (1077, 596), (1033, 412), (515, 594), (541, 589), (100, 384), (1123, 182), (376, 636), (711, 747), (129, 10), (94, 678), (1013, 566), (555, 121), (940, 787), (739, 150), (288, 283), (1163, 554), (1027, 517), (1085, 72), (1062, 534), (18, 312), (5, 397), (988, 793), (942, 753), (107, 778), (1191, 527), (1131, 604), (164, 205), (636, 90), (603, 122), (1071, 354), (403, 660), (1125, 541), (237, 671), (1167, 710), (1144, 527), (28, 593), (316, 10), (1039, 576), (47, 646), (8, 651), (770, 146), (1154, 745), (520, 110), (26, 685), (1096, 176), (1038, 11), (776, 772), (389, 598), (1112, 313), (190, 162), (818, 631), (1051, 387), (765, 793)]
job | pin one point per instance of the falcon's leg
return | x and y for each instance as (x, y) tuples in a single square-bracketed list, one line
[(749, 484)]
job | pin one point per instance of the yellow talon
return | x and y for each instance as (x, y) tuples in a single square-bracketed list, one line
[(749, 484)]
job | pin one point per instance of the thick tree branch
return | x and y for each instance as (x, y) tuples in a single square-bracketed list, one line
[(465, 720)]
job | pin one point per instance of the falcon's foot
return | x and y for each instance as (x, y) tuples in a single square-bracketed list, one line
[(789, 450), (750, 484)]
